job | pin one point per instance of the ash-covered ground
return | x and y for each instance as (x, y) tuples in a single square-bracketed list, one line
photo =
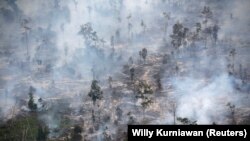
[(84, 70)]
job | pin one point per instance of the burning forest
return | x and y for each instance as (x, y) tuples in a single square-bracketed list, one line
[(74, 70)]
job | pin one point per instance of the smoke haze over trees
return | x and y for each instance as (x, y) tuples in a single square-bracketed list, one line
[(84, 69)]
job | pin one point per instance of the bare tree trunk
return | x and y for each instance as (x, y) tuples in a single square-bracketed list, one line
[(206, 42), (174, 113), (165, 31), (28, 127), (233, 64), (206, 34), (143, 114), (27, 45)]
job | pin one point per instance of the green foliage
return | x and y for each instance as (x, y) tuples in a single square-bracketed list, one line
[(144, 53), (32, 106), (65, 123), (132, 73), (89, 34), (232, 112), (106, 135), (166, 59), (186, 121), (23, 128), (215, 30), (198, 27), (232, 52), (177, 35), (143, 88), (42, 133), (95, 91), (110, 79), (207, 13), (76, 134), (146, 102), (77, 129), (145, 121)]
